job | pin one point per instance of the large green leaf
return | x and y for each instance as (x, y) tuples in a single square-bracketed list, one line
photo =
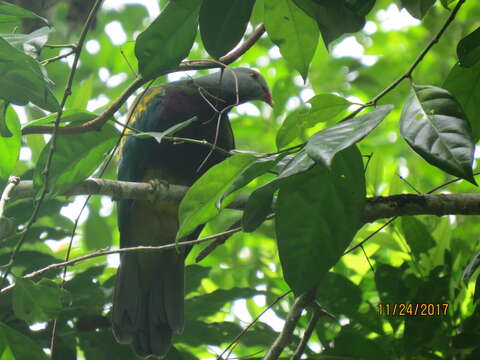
[(223, 23), (317, 216), (11, 14), (323, 146), (417, 8), (9, 146), (75, 158), (464, 85), (198, 205), (293, 31), (34, 302), (22, 79), (336, 18), (168, 40), (15, 346), (325, 107), (435, 126), (468, 49)]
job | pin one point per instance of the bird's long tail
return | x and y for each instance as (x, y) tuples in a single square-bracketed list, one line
[(149, 301)]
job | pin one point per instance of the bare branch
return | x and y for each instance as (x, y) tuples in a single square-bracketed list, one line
[(285, 336)]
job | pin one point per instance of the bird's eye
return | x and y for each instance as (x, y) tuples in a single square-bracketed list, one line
[(254, 76)]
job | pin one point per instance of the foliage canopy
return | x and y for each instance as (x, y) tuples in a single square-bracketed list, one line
[(370, 101)]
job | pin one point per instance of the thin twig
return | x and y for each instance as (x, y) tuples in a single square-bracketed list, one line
[(420, 57), (318, 312), (58, 46), (214, 244), (98, 122), (58, 57), (232, 344), (117, 251), (285, 336)]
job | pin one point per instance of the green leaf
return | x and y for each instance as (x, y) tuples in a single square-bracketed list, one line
[(434, 125), (259, 204), (293, 31), (223, 23), (9, 146), (468, 49), (168, 40), (323, 146), (464, 85), (22, 79), (417, 235), (11, 13), (15, 346), (445, 3), (258, 207), (259, 167), (417, 8), (317, 216), (339, 294), (194, 274), (336, 18), (34, 302), (31, 44), (169, 132), (68, 116), (75, 158), (325, 107), (472, 266), (198, 205)]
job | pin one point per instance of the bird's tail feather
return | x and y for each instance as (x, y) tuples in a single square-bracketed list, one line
[(146, 315)]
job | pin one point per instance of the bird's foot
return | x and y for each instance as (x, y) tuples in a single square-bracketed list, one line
[(159, 189)]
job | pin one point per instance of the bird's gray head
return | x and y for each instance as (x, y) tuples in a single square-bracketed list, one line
[(234, 86)]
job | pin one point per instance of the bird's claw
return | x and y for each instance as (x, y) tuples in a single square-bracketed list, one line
[(159, 189)]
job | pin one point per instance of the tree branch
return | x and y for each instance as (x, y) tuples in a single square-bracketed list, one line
[(318, 312), (101, 119), (379, 207), (285, 336)]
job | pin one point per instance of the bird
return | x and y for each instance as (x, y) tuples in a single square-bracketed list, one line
[(148, 299)]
